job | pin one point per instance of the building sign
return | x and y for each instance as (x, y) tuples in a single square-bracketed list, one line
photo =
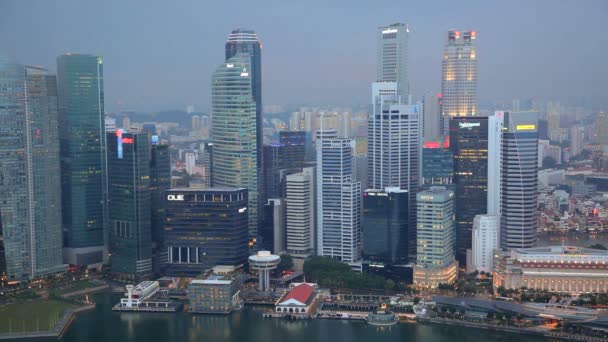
[(469, 125), (175, 197), (525, 127), (127, 140), (119, 142)]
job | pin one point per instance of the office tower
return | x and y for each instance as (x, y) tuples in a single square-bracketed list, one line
[(385, 226), (469, 145), (431, 122), (126, 123), (392, 57), (360, 170), (519, 216), (576, 140), (437, 163), (205, 228), (196, 123), (485, 241), (83, 158), (459, 76), (29, 172), (130, 210), (394, 147), (300, 215), (190, 161), (208, 164), (246, 42), (280, 159), (160, 181), (235, 134), (273, 229), (338, 200), (435, 262)]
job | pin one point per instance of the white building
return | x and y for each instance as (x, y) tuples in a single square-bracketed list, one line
[(110, 123), (485, 241), (338, 200), (392, 57), (190, 162), (300, 215)]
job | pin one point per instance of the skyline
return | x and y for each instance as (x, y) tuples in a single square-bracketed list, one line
[(153, 66)]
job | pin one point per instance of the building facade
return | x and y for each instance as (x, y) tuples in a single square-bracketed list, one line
[(385, 226), (130, 240), (392, 57), (519, 215), (205, 228), (437, 163), (300, 215), (565, 269), (30, 172), (435, 262), (160, 181), (235, 133), (214, 295), (485, 242), (459, 76), (338, 200), (83, 155)]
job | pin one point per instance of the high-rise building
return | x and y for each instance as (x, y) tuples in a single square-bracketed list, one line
[(385, 226), (196, 123), (485, 241), (519, 215), (300, 215), (338, 200), (83, 158), (431, 123), (394, 147), (160, 181), (110, 124), (235, 133), (245, 42), (205, 228), (459, 76), (130, 240), (30, 211), (272, 231), (280, 159), (435, 262), (437, 163), (576, 140), (475, 143), (392, 57)]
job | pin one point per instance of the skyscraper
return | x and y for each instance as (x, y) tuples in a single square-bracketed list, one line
[(235, 134), (385, 225), (338, 200), (246, 41), (205, 228), (29, 171), (392, 57), (459, 76), (431, 128), (394, 147), (519, 215), (485, 241), (280, 159), (300, 215), (435, 262), (83, 157), (130, 237), (160, 181), (437, 163)]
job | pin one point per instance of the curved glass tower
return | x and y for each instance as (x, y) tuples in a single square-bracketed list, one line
[(234, 131)]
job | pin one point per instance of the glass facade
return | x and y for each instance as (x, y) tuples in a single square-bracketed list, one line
[(160, 181), (29, 172), (437, 163), (129, 210), (205, 228), (234, 133), (82, 139), (385, 226), (469, 144)]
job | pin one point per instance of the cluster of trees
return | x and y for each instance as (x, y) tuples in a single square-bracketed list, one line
[(328, 272), (592, 299), (285, 264), (472, 284)]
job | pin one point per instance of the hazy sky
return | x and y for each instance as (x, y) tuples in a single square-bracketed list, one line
[(160, 54)]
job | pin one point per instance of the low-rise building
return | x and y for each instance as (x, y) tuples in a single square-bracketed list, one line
[(556, 268), (217, 294), (301, 300)]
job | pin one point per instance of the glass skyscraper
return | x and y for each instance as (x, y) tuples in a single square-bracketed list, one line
[(130, 236), (392, 57), (160, 181), (29, 172), (235, 133), (83, 157), (437, 163)]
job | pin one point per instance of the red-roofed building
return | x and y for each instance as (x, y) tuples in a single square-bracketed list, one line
[(298, 300)]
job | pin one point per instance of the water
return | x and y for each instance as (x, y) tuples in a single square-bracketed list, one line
[(248, 325)]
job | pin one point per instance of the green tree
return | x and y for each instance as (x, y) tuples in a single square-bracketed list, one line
[(285, 264), (598, 246)]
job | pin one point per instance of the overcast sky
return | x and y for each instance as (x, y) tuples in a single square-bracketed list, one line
[(159, 54)]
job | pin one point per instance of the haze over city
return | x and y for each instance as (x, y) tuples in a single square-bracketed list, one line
[(160, 55)]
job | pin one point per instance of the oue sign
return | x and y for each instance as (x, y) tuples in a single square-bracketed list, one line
[(175, 197)]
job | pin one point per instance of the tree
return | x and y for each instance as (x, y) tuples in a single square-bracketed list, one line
[(598, 246), (285, 264)]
